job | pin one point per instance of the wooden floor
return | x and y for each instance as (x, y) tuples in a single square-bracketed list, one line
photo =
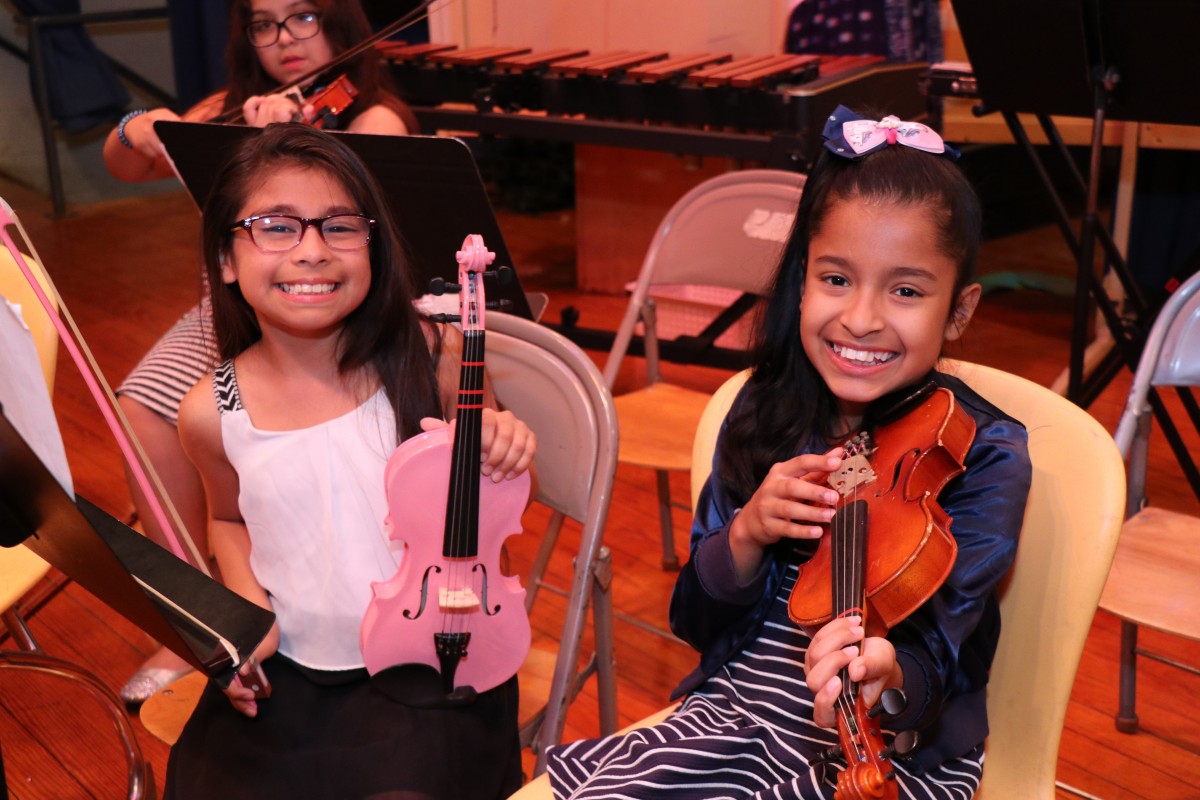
[(124, 269)]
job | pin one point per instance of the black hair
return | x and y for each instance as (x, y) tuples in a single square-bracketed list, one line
[(385, 332), (786, 405)]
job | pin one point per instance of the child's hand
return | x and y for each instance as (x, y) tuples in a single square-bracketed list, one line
[(836, 645), (262, 110), (141, 134), (239, 693), (508, 444), (791, 503)]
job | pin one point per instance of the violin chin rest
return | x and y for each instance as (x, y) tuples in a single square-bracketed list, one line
[(420, 686)]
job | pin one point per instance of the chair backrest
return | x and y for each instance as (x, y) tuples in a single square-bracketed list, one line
[(1072, 521), (552, 385), (727, 232), (1170, 358)]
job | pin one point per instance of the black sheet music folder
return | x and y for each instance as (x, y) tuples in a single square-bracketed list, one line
[(208, 625), (432, 184), (1040, 56)]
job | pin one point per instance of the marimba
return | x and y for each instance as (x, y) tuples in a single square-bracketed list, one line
[(765, 109)]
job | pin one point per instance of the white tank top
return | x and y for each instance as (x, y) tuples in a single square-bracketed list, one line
[(314, 503)]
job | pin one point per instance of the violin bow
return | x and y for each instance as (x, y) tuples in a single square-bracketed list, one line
[(234, 115), (143, 472)]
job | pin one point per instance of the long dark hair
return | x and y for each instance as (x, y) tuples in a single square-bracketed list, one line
[(385, 332), (786, 405), (344, 25)]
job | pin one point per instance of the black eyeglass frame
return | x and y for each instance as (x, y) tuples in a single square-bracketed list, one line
[(281, 25), (305, 222)]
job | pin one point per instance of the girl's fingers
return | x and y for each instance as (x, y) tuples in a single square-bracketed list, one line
[(433, 423), (518, 457), (823, 703), (242, 698), (508, 446), (833, 636)]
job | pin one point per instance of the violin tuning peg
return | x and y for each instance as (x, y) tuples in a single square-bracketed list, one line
[(445, 317), (498, 305), (902, 746), (891, 702), (820, 762), (830, 754), (503, 275), (439, 286)]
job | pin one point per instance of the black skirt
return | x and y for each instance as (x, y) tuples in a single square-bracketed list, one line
[(345, 742)]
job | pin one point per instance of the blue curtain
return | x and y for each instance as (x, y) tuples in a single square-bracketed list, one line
[(199, 31), (82, 87)]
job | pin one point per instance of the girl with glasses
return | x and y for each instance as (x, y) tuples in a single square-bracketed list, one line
[(326, 367), (271, 43)]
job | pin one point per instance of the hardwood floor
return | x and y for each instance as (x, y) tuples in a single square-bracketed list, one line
[(124, 269)]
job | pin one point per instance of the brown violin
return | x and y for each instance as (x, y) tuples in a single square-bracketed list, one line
[(327, 102), (887, 550)]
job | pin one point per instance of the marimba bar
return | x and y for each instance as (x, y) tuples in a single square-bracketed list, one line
[(767, 109)]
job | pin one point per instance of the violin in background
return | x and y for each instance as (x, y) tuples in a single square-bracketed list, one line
[(327, 101), (450, 624)]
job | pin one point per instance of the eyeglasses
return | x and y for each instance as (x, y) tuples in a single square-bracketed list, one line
[(278, 233), (265, 32)]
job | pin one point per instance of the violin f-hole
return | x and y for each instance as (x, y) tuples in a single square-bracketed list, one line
[(483, 590), (424, 592)]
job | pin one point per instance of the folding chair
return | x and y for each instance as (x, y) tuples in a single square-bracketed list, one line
[(727, 233)]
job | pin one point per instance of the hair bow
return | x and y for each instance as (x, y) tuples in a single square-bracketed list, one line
[(850, 136)]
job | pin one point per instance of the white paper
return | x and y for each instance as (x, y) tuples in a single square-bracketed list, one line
[(24, 396)]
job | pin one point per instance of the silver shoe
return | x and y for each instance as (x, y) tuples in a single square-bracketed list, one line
[(145, 682)]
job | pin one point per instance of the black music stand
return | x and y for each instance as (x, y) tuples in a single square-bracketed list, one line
[(1104, 59), (206, 624), (432, 184)]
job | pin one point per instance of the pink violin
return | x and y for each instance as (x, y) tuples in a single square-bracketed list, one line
[(450, 613)]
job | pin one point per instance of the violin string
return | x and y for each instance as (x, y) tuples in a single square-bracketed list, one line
[(840, 588), (457, 486), (469, 431), (850, 595)]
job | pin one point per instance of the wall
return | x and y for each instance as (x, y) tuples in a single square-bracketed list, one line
[(743, 27)]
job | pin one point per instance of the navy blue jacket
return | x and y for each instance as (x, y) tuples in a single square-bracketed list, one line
[(945, 647)]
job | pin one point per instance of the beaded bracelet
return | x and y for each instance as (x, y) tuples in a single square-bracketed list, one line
[(137, 112)]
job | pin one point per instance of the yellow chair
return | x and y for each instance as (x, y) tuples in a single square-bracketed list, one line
[(1047, 603), (728, 233), (1153, 578), (21, 570)]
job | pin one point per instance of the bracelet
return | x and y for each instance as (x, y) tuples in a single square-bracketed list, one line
[(137, 112)]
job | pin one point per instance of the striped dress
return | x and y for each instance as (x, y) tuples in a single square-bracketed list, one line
[(177, 361), (746, 733)]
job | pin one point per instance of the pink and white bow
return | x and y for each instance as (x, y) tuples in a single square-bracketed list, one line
[(863, 135)]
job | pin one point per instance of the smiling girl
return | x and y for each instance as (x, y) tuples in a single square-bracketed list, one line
[(874, 280), (327, 367), (271, 43)]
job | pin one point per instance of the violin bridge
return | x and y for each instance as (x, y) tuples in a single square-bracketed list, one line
[(458, 601), (855, 471)]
